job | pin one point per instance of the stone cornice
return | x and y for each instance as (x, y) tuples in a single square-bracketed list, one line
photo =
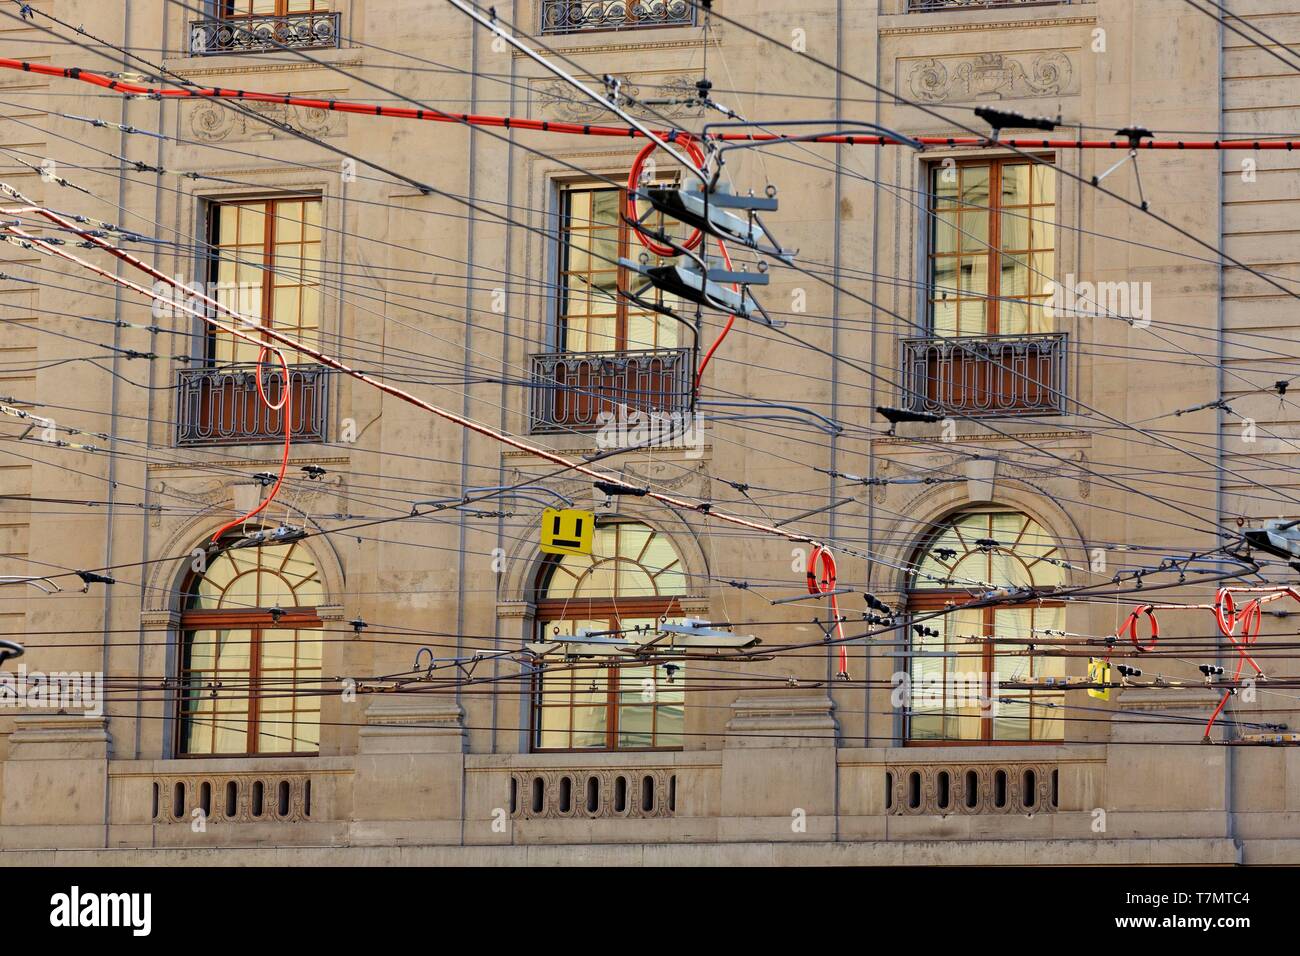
[(320, 180), (766, 721), (1016, 436), (188, 71), (622, 48), (330, 612), (154, 620), (239, 463), (516, 609), (973, 26)]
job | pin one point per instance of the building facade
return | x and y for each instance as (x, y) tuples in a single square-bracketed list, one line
[(361, 694)]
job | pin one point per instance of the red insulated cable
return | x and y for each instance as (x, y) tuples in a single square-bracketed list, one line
[(1131, 625), (696, 154), (821, 556), (285, 408), (634, 182), (1225, 611), (588, 129), (731, 320), (1250, 619)]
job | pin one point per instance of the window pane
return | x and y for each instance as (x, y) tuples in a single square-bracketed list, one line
[(659, 554), (1015, 229), (252, 225), (670, 724), (975, 185), (945, 233), (288, 223), (641, 330), (945, 187), (1042, 230), (1042, 271), (555, 713), (945, 318), (1013, 318), (972, 319), (975, 276), (605, 207), (1015, 184), (233, 650), (945, 277), (590, 708), (632, 540), (1044, 183), (974, 232), (1015, 276), (227, 220)]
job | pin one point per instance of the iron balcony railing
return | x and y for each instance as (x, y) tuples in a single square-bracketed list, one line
[(930, 6), (220, 406), (571, 390), (258, 34), (986, 375), (575, 16)]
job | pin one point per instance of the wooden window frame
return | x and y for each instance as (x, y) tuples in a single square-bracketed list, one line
[(256, 621), (267, 264), (626, 243), (927, 600), (994, 253), (609, 609), (551, 611), (923, 601)]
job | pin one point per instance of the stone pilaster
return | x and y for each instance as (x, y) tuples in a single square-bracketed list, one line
[(55, 781), (410, 770)]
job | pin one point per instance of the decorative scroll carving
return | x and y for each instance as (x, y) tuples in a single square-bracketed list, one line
[(556, 99), (213, 123), (990, 76), (670, 476)]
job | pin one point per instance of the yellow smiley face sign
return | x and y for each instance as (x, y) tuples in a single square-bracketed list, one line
[(1099, 673), (568, 531)]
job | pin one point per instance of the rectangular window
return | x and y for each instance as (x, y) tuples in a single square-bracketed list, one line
[(269, 8), (593, 315), (592, 706), (992, 246), (266, 263)]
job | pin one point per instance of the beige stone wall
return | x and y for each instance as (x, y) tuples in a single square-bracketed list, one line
[(812, 772)]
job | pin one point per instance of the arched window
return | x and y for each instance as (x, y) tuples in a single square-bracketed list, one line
[(250, 664), (956, 697), (632, 578)]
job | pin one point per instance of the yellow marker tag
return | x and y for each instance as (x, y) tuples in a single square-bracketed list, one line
[(568, 531), (1099, 673)]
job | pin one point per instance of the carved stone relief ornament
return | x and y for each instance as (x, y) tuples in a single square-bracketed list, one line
[(990, 76), (213, 123), (556, 99)]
